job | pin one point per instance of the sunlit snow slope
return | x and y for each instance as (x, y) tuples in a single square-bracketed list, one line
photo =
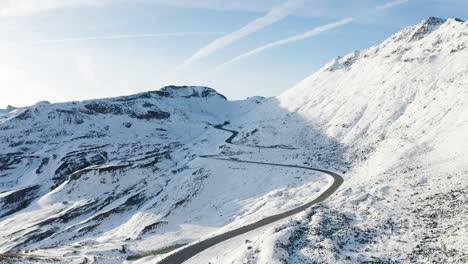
[(396, 115)]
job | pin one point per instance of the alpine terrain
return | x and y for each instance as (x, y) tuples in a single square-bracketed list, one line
[(365, 161)]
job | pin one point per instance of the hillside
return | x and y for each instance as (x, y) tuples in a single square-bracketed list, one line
[(396, 116), (111, 178)]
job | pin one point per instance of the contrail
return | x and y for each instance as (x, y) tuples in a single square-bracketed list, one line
[(276, 14), (390, 5), (313, 32), (150, 35), (305, 35)]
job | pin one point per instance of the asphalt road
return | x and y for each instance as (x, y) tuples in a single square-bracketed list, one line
[(195, 248), (234, 133)]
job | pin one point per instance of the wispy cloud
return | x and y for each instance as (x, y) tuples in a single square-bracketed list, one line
[(9, 8), (390, 5), (130, 36), (313, 32), (308, 34), (276, 14)]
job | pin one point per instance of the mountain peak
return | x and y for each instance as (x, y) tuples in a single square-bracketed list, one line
[(426, 27), (433, 21), (10, 108), (456, 19), (424, 41)]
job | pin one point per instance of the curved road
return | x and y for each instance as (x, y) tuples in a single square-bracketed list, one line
[(234, 133), (193, 249)]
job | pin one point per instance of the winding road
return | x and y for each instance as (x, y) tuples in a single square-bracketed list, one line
[(196, 248), (234, 133)]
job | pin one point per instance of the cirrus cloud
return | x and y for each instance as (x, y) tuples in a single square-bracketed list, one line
[(313, 32), (308, 34), (10, 8), (277, 13)]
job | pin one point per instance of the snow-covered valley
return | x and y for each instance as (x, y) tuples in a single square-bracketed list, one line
[(101, 180)]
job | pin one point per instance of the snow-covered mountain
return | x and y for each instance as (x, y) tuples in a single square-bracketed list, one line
[(86, 174), (102, 180), (399, 111)]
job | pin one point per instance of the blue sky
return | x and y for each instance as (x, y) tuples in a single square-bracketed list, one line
[(62, 50)]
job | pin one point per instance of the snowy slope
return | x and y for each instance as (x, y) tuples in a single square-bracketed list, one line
[(396, 116), (106, 179)]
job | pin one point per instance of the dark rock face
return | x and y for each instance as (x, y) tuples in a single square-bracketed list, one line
[(154, 226), (38, 235), (75, 161), (8, 160), (104, 108), (151, 114), (189, 91), (24, 116), (44, 162), (18, 200), (115, 109), (147, 105)]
